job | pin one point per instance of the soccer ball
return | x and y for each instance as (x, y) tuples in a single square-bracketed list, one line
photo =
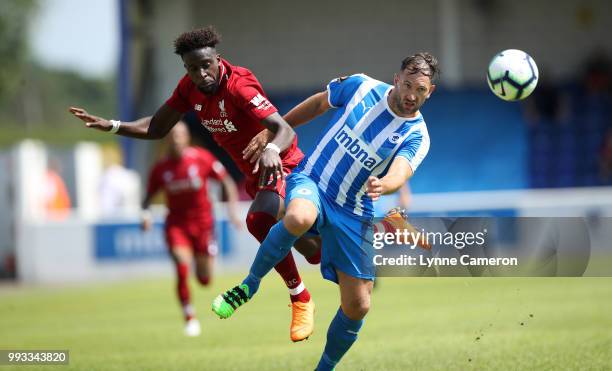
[(512, 75)]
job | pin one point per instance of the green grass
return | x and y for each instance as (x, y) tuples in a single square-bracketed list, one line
[(414, 324)]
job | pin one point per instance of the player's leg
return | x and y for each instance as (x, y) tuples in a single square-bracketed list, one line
[(205, 248), (355, 296), (204, 268), (300, 217), (310, 248), (265, 211), (302, 211), (182, 256), (183, 259)]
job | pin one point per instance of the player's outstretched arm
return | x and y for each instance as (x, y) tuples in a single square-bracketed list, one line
[(232, 200), (154, 127), (153, 186), (398, 174), (146, 217), (309, 109)]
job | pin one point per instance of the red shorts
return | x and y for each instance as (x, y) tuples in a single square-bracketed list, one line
[(200, 238), (279, 187)]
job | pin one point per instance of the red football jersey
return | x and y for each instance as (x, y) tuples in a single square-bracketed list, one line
[(184, 183), (233, 114)]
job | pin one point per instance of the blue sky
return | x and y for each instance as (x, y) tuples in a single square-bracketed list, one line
[(78, 35)]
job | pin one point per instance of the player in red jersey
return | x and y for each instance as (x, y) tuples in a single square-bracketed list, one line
[(233, 107), (189, 227)]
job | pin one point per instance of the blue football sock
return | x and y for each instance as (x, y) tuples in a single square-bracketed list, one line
[(273, 249), (341, 334)]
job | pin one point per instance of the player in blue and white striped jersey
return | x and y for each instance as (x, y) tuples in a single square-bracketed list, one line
[(372, 146), (362, 140)]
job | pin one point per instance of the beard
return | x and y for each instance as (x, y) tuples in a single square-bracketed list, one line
[(208, 89), (399, 104)]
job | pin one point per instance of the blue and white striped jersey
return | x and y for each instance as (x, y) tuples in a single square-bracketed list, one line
[(362, 139)]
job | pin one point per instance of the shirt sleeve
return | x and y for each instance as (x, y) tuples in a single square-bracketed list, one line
[(341, 89), (415, 147), (250, 97), (179, 100), (216, 169)]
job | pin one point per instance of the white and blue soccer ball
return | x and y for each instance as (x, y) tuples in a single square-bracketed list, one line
[(512, 75)]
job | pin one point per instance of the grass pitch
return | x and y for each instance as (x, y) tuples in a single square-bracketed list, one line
[(414, 324)]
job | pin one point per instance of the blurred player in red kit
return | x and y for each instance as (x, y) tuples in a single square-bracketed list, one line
[(233, 107), (189, 227)]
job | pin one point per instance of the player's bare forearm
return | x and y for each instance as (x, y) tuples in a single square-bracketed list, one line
[(146, 202), (309, 109), (154, 127), (283, 133), (231, 191), (146, 217), (232, 199), (136, 129), (397, 176), (270, 165), (391, 184)]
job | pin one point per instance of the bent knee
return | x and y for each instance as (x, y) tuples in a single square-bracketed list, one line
[(298, 222), (357, 309)]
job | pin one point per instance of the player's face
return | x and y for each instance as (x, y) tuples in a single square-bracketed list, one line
[(202, 66), (179, 138), (411, 91)]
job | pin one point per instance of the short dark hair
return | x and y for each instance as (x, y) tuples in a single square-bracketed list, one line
[(424, 63), (196, 39)]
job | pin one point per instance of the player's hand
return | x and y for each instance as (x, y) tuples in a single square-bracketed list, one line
[(271, 167), (374, 188), (255, 148), (146, 220), (146, 224), (91, 121)]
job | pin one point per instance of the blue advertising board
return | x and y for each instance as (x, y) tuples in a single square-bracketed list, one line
[(127, 242)]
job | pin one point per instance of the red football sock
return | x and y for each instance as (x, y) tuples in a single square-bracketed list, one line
[(182, 289), (288, 270), (259, 225)]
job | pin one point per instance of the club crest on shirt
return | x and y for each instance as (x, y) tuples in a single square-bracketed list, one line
[(223, 113), (197, 107), (395, 138)]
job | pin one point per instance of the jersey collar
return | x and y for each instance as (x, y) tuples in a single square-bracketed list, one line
[(224, 72)]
